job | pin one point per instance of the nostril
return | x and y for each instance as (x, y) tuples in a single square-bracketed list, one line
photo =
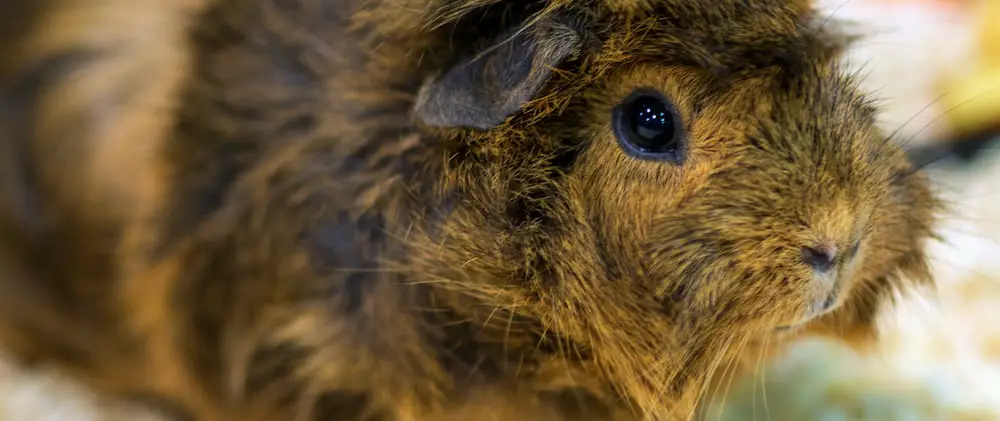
[(819, 258)]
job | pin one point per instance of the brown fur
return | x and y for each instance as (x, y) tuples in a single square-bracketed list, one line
[(232, 208)]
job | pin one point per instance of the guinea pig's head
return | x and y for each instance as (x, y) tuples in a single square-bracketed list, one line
[(662, 182)]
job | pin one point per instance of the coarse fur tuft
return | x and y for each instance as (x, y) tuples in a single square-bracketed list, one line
[(417, 209)]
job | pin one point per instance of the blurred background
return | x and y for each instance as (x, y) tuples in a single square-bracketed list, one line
[(935, 65)]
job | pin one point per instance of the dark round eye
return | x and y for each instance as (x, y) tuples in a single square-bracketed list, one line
[(647, 127)]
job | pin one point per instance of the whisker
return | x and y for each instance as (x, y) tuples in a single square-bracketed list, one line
[(735, 370), (759, 365), (830, 16), (763, 375), (946, 113), (710, 380), (914, 116), (711, 374), (506, 335)]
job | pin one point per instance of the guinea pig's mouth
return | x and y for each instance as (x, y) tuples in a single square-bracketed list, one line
[(785, 331), (799, 324), (788, 328), (793, 326)]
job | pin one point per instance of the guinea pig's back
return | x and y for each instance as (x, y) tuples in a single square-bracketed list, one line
[(164, 164)]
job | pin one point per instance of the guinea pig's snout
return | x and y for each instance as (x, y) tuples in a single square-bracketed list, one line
[(829, 264)]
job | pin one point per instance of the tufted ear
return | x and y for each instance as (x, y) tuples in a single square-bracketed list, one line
[(481, 92)]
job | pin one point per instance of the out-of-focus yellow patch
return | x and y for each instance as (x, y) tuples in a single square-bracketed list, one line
[(972, 94)]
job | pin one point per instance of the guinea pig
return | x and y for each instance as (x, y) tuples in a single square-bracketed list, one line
[(416, 210)]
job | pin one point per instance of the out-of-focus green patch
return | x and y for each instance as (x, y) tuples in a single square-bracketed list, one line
[(821, 381)]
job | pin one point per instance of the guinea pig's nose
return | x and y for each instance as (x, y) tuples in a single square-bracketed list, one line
[(821, 257)]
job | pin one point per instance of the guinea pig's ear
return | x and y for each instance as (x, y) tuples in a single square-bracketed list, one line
[(481, 92), (86, 97)]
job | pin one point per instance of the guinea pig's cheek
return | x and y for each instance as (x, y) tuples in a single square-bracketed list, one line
[(605, 165), (625, 187)]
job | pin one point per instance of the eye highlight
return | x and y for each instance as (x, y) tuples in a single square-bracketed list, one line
[(648, 126)]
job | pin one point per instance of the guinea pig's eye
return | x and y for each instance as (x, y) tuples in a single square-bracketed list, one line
[(648, 126)]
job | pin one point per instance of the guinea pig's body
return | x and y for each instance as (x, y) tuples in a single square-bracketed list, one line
[(434, 209)]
